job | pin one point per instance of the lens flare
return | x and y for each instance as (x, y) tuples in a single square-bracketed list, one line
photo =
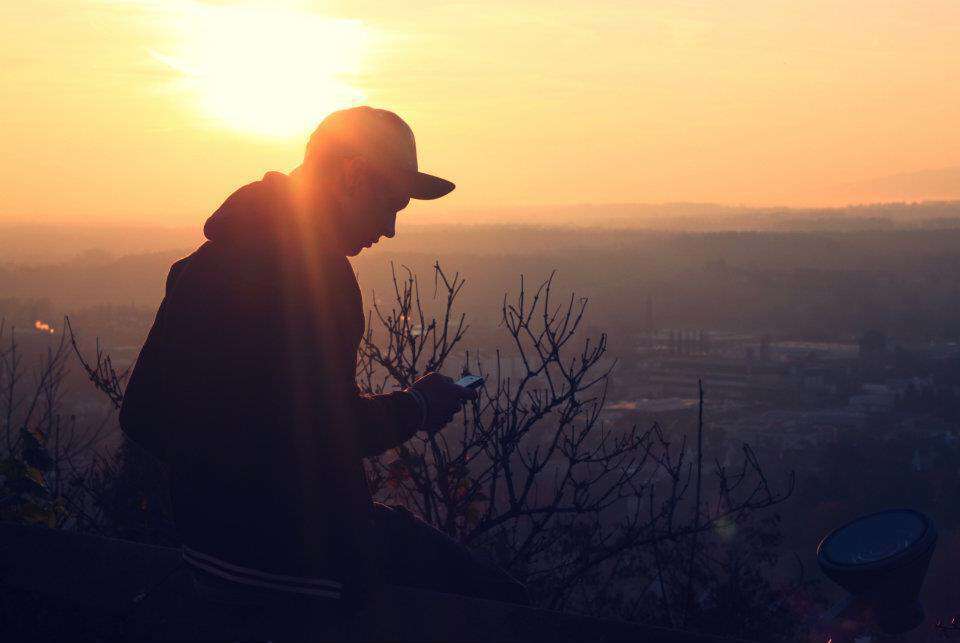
[(267, 70)]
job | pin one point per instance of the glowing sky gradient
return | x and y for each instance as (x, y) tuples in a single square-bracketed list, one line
[(156, 110)]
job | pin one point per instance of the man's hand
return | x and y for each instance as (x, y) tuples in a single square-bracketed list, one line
[(443, 396)]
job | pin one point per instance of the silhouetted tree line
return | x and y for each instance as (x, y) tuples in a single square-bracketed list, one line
[(815, 285)]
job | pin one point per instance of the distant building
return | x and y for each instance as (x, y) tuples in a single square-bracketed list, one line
[(873, 399)]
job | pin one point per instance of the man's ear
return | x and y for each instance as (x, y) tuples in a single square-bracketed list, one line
[(353, 173)]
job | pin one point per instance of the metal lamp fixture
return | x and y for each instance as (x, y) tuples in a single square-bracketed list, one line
[(882, 559)]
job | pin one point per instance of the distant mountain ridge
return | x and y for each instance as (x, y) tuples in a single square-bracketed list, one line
[(46, 243), (939, 183)]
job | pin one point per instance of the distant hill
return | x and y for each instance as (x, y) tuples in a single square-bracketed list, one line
[(940, 183), (483, 231), (44, 243), (710, 217)]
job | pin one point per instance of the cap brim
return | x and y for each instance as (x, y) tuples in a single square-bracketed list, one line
[(427, 186)]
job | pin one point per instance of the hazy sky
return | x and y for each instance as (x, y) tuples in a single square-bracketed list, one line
[(155, 110)]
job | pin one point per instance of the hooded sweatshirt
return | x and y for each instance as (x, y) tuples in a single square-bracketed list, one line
[(246, 388)]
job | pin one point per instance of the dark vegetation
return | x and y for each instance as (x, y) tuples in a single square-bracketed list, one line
[(638, 524), (634, 524)]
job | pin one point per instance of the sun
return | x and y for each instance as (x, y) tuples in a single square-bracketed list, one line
[(266, 70)]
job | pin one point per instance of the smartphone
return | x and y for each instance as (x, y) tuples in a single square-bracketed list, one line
[(470, 381)]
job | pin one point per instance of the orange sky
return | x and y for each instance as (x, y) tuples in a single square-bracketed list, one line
[(154, 110)]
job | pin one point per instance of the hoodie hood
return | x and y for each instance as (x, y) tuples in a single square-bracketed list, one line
[(255, 211)]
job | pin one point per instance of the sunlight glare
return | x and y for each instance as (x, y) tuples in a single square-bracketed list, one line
[(267, 70)]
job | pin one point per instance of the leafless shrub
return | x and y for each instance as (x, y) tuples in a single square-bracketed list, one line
[(101, 371), (43, 448), (531, 472), (126, 490)]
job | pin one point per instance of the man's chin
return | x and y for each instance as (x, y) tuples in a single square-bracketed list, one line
[(357, 249)]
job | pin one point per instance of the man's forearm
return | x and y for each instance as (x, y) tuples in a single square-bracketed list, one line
[(388, 420)]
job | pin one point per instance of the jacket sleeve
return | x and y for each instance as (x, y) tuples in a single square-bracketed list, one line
[(372, 424), (385, 421), (375, 423)]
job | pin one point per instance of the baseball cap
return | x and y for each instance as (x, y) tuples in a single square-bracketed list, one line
[(384, 140)]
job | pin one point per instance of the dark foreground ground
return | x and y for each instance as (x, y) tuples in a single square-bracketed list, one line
[(56, 585)]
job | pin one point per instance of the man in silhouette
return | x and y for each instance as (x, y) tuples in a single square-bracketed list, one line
[(246, 385)]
